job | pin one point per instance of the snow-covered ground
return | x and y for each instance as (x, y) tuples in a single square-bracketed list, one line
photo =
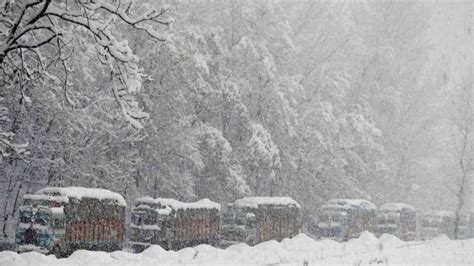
[(296, 251)]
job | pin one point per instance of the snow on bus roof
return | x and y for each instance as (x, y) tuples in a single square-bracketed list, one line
[(255, 201), (57, 210), (350, 204), (176, 204), (82, 192), (439, 213), (396, 206), (46, 197)]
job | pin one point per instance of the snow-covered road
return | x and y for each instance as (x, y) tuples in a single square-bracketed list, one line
[(296, 251)]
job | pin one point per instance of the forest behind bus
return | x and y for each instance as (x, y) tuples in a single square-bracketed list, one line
[(225, 99)]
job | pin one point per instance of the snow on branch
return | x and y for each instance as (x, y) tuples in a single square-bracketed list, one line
[(28, 26), (7, 147)]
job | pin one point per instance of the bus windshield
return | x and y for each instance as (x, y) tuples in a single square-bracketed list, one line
[(387, 218), (431, 221), (234, 216), (333, 218), (144, 217), (25, 216), (43, 217)]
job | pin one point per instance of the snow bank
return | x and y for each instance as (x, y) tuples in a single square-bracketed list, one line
[(396, 206), (176, 204), (255, 201), (388, 240), (366, 242), (81, 192), (366, 249)]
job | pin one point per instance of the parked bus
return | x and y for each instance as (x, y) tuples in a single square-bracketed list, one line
[(173, 224), (435, 223), (465, 226), (61, 220), (398, 219), (342, 219), (253, 220)]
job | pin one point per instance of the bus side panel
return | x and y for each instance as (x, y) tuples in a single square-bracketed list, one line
[(93, 225), (193, 226), (276, 223), (407, 225), (447, 226)]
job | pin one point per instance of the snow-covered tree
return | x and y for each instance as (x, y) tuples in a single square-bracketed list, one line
[(35, 35), (392, 75), (7, 146), (68, 87), (463, 148)]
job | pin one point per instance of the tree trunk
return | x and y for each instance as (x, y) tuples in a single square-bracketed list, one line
[(5, 208), (12, 213)]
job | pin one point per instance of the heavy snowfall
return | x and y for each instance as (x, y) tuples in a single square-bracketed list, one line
[(263, 132)]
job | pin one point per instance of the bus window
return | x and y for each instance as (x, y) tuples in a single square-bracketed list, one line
[(381, 220), (391, 220), (324, 219), (43, 218), (25, 216), (58, 223), (251, 220)]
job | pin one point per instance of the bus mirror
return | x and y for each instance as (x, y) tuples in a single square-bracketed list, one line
[(251, 219)]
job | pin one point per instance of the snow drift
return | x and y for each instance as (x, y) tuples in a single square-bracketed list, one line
[(366, 249)]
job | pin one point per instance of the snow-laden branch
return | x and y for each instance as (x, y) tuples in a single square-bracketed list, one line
[(32, 25), (7, 147)]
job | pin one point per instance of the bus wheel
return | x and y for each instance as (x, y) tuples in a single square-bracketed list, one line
[(57, 251)]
